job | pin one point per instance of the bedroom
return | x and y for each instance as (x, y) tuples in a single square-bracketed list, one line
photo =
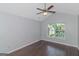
[(25, 33)]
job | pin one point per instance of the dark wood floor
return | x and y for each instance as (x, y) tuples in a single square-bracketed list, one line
[(44, 48)]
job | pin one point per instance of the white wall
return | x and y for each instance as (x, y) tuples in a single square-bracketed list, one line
[(71, 29), (16, 32), (78, 31)]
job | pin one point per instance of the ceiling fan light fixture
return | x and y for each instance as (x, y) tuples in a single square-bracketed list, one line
[(45, 10), (45, 13)]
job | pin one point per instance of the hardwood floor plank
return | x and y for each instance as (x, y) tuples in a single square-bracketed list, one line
[(45, 48)]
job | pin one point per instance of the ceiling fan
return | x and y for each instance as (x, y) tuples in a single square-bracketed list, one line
[(45, 11)]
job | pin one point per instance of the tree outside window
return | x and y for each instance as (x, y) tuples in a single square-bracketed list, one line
[(56, 30)]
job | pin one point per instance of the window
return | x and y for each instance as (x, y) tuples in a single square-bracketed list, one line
[(56, 30)]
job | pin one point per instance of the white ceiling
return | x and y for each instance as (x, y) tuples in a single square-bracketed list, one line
[(29, 9)]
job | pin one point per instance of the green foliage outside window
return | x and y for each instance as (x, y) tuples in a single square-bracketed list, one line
[(56, 30)]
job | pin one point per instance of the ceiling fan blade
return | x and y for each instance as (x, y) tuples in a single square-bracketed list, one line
[(40, 9), (52, 11), (39, 12), (50, 7)]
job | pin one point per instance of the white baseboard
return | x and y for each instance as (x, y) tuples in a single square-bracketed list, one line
[(22, 46), (60, 43)]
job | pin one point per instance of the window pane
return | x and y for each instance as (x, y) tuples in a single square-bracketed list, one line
[(56, 30)]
